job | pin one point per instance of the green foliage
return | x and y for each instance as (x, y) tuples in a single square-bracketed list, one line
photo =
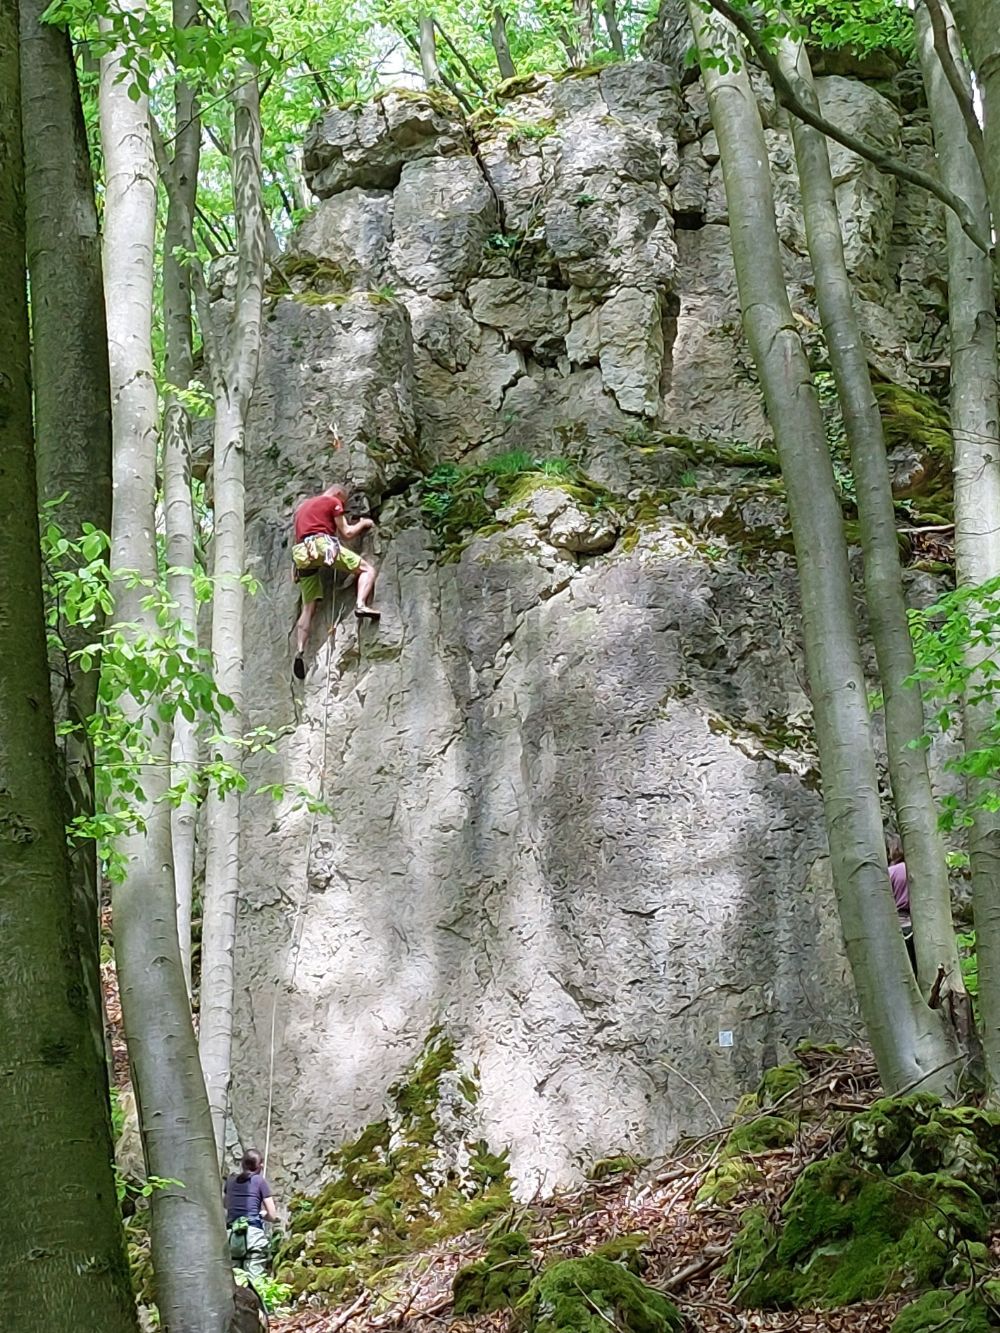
[(461, 499), (146, 680), (275, 1295), (955, 642), (592, 1294)]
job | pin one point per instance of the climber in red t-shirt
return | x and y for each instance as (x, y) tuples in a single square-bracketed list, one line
[(321, 527)]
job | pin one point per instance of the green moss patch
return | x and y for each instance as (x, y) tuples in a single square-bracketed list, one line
[(498, 1280), (903, 1207), (975, 1310), (460, 500), (390, 1193), (762, 1134), (592, 1294)]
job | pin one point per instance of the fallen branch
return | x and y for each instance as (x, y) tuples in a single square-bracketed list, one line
[(710, 1258)]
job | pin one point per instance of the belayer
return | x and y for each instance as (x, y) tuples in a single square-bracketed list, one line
[(247, 1195), (321, 527)]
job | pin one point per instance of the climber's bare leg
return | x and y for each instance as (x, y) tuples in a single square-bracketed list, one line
[(302, 628), (367, 574)]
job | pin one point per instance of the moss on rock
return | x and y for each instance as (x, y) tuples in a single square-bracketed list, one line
[(498, 1280), (389, 1191), (760, 1135), (779, 1082), (966, 1311), (724, 1182), (614, 1166), (589, 1295), (629, 1251), (903, 1207)]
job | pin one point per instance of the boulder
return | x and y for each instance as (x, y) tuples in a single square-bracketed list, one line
[(367, 144), (443, 213)]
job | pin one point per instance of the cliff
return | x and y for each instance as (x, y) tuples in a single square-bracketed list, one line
[(569, 809)]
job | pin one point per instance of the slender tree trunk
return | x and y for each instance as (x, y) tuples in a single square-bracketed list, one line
[(974, 420), (501, 44), (909, 1040), (233, 390), (62, 1256), (610, 15), (177, 499), (193, 1278), (927, 873), (72, 402), (583, 14), (979, 23), (428, 51)]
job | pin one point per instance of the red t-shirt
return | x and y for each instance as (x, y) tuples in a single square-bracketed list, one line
[(318, 514)]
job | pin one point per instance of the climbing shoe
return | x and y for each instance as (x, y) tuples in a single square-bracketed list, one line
[(367, 613), (299, 667)]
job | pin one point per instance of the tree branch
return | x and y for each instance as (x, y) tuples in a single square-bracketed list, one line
[(789, 99), (470, 71), (957, 84)]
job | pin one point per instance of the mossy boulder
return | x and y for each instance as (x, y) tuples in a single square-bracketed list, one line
[(778, 1083), (849, 1233), (919, 444), (592, 1294), (971, 1310), (724, 1182), (390, 1192), (762, 1134), (498, 1280)]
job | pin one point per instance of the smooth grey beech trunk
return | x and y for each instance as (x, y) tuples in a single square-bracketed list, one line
[(234, 371), (979, 24), (974, 422), (62, 1253), (178, 507), (72, 402), (916, 811), (912, 1043), (194, 1286)]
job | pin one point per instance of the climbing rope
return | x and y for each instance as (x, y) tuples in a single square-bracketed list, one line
[(333, 624)]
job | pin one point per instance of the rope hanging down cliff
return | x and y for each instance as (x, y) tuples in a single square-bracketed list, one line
[(317, 804)]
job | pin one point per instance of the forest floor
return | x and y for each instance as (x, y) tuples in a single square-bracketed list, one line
[(687, 1243)]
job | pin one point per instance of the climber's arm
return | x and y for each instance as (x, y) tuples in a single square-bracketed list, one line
[(351, 530)]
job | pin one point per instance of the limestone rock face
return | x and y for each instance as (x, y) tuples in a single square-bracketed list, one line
[(561, 801)]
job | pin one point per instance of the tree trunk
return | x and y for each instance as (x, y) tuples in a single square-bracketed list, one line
[(62, 1259), (583, 14), (177, 500), (911, 1043), (926, 869), (72, 402), (233, 389), (979, 22), (974, 421), (501, 44), (610, 15), (193, 1278), (428, 51)]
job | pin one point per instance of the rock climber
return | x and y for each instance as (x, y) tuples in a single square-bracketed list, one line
[(321, 528), (247, 1195), (900, 891)]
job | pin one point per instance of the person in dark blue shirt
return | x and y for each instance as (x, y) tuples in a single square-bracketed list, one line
[(248, 1195)]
